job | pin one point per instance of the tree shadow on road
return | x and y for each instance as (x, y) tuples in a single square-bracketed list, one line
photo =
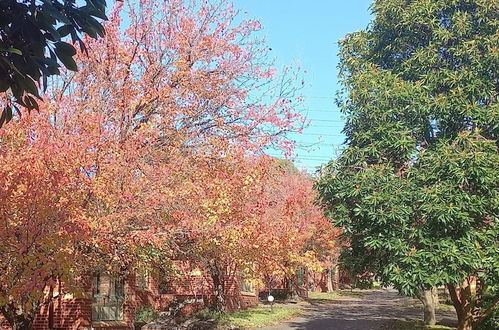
[(377, 310)]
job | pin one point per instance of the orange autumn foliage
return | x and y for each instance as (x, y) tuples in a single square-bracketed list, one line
[(254, 217), (158, 141), (43, 227)]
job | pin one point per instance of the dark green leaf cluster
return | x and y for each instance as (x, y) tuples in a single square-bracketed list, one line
[(32, 34), (416, 188)]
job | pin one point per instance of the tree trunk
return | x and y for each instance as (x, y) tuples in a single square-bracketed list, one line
[(461, 297), (219, 291), (465, 324), (428, 301), (335, 276), (290, 285), (467, 299), (51, 315), (329, 280), (436, 298), (332, 278)]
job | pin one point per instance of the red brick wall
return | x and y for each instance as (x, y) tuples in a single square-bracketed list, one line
[(69, 314), (66, 312), (72, 314), (198, 284)]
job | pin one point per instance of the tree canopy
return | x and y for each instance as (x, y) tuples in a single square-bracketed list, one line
[(151, 152), (415, 189), (33, 43)]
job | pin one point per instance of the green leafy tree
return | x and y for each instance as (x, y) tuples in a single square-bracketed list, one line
[(32, 46), (416, 188)]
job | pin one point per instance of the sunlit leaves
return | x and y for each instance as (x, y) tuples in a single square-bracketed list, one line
[(416, 187), (31, 45), (43, 227)]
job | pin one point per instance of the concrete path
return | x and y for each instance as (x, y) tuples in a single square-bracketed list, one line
[(377, 309)]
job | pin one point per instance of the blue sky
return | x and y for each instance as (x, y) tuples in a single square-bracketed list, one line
[(306, 33)]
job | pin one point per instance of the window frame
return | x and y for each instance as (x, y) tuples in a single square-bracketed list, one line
[(113, 301)]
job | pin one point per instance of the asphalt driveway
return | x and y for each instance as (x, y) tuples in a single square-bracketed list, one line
[(376, 309)]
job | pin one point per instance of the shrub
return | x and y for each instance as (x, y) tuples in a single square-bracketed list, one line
[(146, 314)]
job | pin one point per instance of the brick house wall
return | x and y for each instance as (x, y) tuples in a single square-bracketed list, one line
[(196, 283), (69, 313), (66, 314), (282, 285)]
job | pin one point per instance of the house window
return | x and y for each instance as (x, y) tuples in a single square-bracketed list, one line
[(143, 279), (246, 286), (108, 298)]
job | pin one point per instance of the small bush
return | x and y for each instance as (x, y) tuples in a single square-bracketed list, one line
[(210, 314), (145, 314)]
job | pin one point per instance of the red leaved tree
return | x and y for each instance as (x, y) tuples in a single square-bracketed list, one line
[(43, 228), (172, 87)]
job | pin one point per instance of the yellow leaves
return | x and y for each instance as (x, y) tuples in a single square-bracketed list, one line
[(167, 192), (20, 190), (212, 219), (219, 206), (63, 200), (251, 183), (196, 272)]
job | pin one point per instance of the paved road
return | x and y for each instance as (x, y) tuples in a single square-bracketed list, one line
[(376, 309)]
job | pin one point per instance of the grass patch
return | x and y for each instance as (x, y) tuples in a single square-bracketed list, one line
[(446, 307), (415, 325), (262, 316), (442, 306), (253, 317)]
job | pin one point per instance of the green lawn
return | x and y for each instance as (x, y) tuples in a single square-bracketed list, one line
[(254, 317), (442, 306), (262, 316)]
